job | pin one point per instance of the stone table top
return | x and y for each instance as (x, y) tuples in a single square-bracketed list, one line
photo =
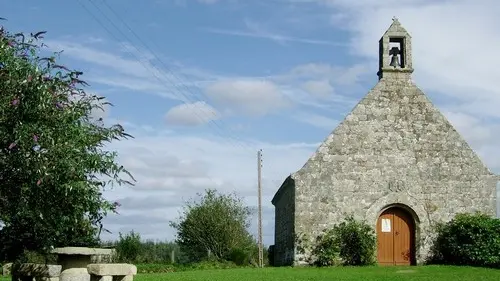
[(83, 251)]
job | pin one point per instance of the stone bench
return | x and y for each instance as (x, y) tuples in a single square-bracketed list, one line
[(112, 271), (36, 272)]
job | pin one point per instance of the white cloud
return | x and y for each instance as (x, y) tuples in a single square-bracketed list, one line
[(447, 56), (258, 30), (342, 75), (477, 133), (109, 60), (318, 88), (300, 82), (317, 120), (192, 114), (306, 85), (135, 70), (172, 168), (131, 68), (253, 97)]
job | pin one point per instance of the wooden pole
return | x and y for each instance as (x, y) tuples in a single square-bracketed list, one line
[(259, 185)]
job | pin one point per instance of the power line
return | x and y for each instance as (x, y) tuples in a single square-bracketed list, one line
[(153, 53), (184, 95)]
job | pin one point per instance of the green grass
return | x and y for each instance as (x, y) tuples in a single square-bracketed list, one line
[(439, 273), (431, 273)]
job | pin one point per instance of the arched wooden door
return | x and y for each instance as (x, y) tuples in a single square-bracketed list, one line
[(395, 237)]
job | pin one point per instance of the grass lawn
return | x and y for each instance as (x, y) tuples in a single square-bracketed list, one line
[(439, 273), (445, 273)]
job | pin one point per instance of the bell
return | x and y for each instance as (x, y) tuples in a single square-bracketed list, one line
[(394, 52), (394, 61)]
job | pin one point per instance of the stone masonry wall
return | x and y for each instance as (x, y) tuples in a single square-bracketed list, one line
[(395, 147), (284, 234)]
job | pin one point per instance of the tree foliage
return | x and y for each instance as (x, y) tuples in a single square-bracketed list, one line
[(468, 239), (53, 164), (216, 225)]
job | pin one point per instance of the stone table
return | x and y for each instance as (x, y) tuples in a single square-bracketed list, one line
[(74, 261)]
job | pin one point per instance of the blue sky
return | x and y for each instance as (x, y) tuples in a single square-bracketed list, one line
[(204, 84)]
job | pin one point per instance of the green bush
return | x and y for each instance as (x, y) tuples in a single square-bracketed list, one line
[(129, 247), (349, 243), (468, 239), (239, 256), (327, 251)]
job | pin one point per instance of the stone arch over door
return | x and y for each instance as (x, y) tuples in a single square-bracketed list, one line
[(396, 236), (415, 207)]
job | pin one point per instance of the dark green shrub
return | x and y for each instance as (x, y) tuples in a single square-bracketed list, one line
[(349, 243), (327, 251), (468, 239), (239, 256), (357, 242)]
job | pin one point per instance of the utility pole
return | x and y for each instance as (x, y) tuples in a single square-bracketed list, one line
[(259, 186)]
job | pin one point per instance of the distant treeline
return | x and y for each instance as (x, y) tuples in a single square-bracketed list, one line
[(130, 248)]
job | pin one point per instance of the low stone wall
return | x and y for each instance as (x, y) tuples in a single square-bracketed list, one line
[(36, 272)]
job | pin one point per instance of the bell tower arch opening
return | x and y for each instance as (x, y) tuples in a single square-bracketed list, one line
[(396, 52)]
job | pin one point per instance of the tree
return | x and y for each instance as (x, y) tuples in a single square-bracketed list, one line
[(53, 164), (216, 225)]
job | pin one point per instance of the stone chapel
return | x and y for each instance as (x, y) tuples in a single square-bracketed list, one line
[(395, 162)]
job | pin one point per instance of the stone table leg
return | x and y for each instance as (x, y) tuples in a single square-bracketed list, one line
[(74, 267)]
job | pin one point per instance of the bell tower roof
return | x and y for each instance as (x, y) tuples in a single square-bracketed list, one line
[(395, 54), (396, 29)]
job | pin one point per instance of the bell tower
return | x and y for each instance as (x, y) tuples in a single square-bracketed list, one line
[(395, 51)]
